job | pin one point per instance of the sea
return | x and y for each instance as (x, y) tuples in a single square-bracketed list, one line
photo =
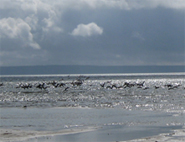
[(112, 96), (165, 92)]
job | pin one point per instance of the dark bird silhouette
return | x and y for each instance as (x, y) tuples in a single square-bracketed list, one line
[(87, 77), (102, 85), (66, 89), (170, 86), (140, 85), (61, 84), (77, 83), (145, 88), (112, 86), (109, 87), (41, 86), (127, 84), (156, 87), (24, 86)]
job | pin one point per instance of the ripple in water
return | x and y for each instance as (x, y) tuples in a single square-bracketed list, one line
[(144, 92)]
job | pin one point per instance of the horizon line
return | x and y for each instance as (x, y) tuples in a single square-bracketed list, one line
[(87, 65)]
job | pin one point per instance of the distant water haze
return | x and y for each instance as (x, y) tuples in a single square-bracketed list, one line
[(82, 69)]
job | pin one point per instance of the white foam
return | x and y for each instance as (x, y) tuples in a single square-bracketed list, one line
[(174, 136)]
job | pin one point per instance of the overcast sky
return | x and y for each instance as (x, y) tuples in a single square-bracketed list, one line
[(92, 32)]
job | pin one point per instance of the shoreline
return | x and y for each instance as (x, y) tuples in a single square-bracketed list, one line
[(174, 136), (7, 135), (79, 124), (12, 135)]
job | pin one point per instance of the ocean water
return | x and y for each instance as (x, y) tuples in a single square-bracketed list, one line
[(116, 106), (165, 92)]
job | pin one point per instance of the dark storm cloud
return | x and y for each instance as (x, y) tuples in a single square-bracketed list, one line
[(92, 32)]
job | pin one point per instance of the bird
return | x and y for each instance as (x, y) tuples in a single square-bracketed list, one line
[(66, 89), (140, 84), (102, 85), (144, 88), (156, 87)]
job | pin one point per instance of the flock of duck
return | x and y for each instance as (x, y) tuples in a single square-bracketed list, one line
[(45, 85), (79, 81), (138, 85)]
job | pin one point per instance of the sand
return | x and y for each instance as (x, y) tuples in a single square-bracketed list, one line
[(32, 136), (174, 136), (84, 124)]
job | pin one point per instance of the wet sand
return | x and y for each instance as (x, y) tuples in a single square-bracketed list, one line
[(84, 124), (84, 135), (173, 136), (114, 134)]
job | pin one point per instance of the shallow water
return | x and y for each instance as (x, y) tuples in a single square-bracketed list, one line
[(158, 92), (120, 105), (165, 92), (54, 119), (94, 124)]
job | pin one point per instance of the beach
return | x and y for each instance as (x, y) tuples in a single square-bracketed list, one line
[(92, 70), (82, 124), (94, 108)]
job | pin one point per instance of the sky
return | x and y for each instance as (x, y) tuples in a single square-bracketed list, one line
[(92, 32)]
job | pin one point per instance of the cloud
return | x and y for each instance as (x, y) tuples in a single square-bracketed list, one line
[(87, 30), (50, 23), (46, 15), (133, 28), (173, 4), (127, 4), (59, 6), (17, 29), (138, 35)]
